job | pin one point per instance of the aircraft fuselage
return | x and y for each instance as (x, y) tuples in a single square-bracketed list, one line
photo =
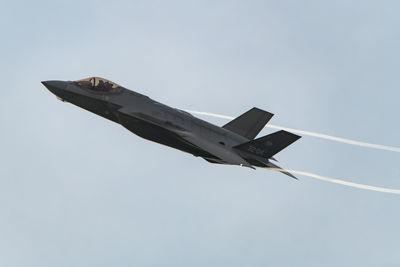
[(231, 144)]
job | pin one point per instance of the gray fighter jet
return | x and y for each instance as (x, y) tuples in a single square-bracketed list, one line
[(232, 143)]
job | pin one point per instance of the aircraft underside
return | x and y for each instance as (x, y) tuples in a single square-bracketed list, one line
[(163, 136)]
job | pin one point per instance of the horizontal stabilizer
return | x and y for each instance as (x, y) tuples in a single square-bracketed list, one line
[(250, 123), (279, 169), (268, 145)]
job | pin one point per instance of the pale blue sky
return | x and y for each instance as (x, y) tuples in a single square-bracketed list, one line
[(77, 190)]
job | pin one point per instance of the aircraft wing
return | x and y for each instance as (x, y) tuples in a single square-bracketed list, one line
[(228, 156), (223, 153)]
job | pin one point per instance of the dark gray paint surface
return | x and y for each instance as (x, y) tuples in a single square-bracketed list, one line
[(231, 144)]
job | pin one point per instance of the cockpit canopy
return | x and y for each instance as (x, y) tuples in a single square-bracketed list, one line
[(98, 84)]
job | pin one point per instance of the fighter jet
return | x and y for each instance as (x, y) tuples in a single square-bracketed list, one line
[(233, 143)]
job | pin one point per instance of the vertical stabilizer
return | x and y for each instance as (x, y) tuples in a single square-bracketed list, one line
[(250, 123)]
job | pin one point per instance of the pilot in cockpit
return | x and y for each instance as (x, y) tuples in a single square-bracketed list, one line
[(99, 85)]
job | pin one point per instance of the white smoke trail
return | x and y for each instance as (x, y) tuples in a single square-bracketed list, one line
[(319, 135), (324, 136), (337, 181)]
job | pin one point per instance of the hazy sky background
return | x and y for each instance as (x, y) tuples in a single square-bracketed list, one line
[(78, 190)]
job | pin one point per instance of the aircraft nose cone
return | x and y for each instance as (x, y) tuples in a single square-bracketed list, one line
[(56, 87)]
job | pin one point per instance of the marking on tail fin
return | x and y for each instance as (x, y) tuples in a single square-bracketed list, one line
[(269, 145)]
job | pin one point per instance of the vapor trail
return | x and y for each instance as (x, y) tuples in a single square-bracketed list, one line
[(337, 181), (324, 136), (319, 135)]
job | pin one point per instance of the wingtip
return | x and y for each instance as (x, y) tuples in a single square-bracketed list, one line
[(274, 159), (290, 175), (274, 167)]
